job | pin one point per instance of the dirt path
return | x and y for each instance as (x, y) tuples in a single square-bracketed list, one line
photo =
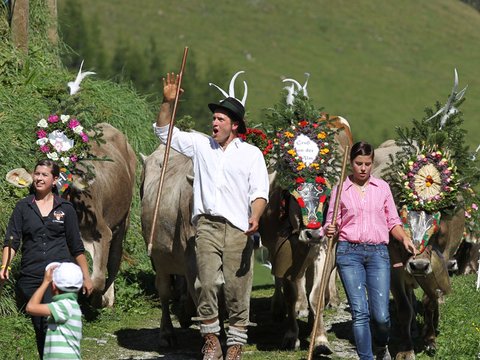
[(265, 338)]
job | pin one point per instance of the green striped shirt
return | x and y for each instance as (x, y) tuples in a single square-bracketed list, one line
[(64, 328)]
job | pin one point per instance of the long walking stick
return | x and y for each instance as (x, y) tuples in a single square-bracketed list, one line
[(326, 268), (167, 152)]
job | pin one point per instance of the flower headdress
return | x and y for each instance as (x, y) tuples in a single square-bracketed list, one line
[(61, 137), (305, 147)]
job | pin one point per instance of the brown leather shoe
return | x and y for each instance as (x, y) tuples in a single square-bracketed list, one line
[(234, 352), (212, 350)]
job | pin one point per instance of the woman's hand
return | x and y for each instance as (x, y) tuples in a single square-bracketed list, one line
[(409, 246), (87, 286), (331, 230)]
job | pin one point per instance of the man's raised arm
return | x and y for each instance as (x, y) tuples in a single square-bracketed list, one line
[(170, 85)]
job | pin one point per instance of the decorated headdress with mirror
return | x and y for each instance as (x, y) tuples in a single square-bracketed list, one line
[(307, 160), (434, 169)]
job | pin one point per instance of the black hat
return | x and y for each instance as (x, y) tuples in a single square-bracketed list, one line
[(235, 111)]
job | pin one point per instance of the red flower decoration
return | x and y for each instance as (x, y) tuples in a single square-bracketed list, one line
[(299, 180), (320, 180), (303, 123), (301, 202)]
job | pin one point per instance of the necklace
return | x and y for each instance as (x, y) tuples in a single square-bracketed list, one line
[(363, 187)]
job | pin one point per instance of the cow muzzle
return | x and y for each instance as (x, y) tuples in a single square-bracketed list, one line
[(312, 236), (418, 266)]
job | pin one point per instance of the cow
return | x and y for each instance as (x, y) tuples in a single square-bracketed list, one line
[(171, 250), (429, 270), (103, 204), (103, 208), (298, 253)]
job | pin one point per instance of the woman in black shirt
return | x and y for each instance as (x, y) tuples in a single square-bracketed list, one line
[(46, 227)]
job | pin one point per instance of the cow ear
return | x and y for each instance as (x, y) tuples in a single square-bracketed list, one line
[(271, 177), (19, 177), (80, 184)]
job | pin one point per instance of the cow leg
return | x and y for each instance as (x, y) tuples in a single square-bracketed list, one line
[(290, 339), (431, 315), (278, 305), (101, 247), (322, 345), (301, 305), (114, 260), (167, 336), (403, 296)]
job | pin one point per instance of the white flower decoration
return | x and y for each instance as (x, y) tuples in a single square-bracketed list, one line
[(42, 123), (42, 141), (65, 160), (53, 156), (64, 118), (78, 129)]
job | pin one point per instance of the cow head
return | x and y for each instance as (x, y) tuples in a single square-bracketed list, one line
[(444, 238), (311, 197)]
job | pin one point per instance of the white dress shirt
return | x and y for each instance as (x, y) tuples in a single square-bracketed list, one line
[(225, 181)]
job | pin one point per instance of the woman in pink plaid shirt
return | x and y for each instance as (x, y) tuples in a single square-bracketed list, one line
[(366, 218)]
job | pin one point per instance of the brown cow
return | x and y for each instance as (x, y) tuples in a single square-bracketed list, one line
[(428, 270), (174, 232), (103, 208), (297, 252)]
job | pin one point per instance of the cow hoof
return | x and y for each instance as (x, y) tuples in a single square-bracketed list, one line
[(431, 348), (405, 355), (290, 343), (322, 349), (167, 341), (302, 313)]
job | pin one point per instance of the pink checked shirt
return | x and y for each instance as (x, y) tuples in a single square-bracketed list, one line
[(368, 219)]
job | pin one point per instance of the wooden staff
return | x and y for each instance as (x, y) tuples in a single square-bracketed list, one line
[(167, 152), (326, 268)]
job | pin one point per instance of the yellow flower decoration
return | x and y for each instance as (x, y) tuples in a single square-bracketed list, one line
[(324, 151), (288, 134), (292, 152), (322, 135)]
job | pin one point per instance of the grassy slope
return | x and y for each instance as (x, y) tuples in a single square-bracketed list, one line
[(378, 63)]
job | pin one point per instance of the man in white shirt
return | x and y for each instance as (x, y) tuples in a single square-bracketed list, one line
[(230, 194)]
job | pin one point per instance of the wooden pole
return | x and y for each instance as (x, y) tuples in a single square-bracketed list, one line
[(326, 268), (167, 152), (19, 25)]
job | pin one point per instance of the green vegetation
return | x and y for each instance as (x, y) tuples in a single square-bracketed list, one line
[(377, 63)]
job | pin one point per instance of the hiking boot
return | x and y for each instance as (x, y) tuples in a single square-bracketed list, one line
[(383, 354), (212, 350), (234, 352)]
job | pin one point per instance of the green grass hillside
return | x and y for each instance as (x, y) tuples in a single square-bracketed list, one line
[(378, 63)]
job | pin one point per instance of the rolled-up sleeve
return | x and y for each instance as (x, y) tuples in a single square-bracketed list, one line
[(391, 212), (259, 183)]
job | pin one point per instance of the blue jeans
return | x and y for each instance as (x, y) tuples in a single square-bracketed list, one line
[(365, 270)]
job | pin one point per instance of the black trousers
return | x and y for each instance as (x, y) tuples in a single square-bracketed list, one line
[(24, 290)]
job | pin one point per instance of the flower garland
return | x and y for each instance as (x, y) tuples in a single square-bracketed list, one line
[(429, 181), (259, 139), (62, 138), (305, 150)]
